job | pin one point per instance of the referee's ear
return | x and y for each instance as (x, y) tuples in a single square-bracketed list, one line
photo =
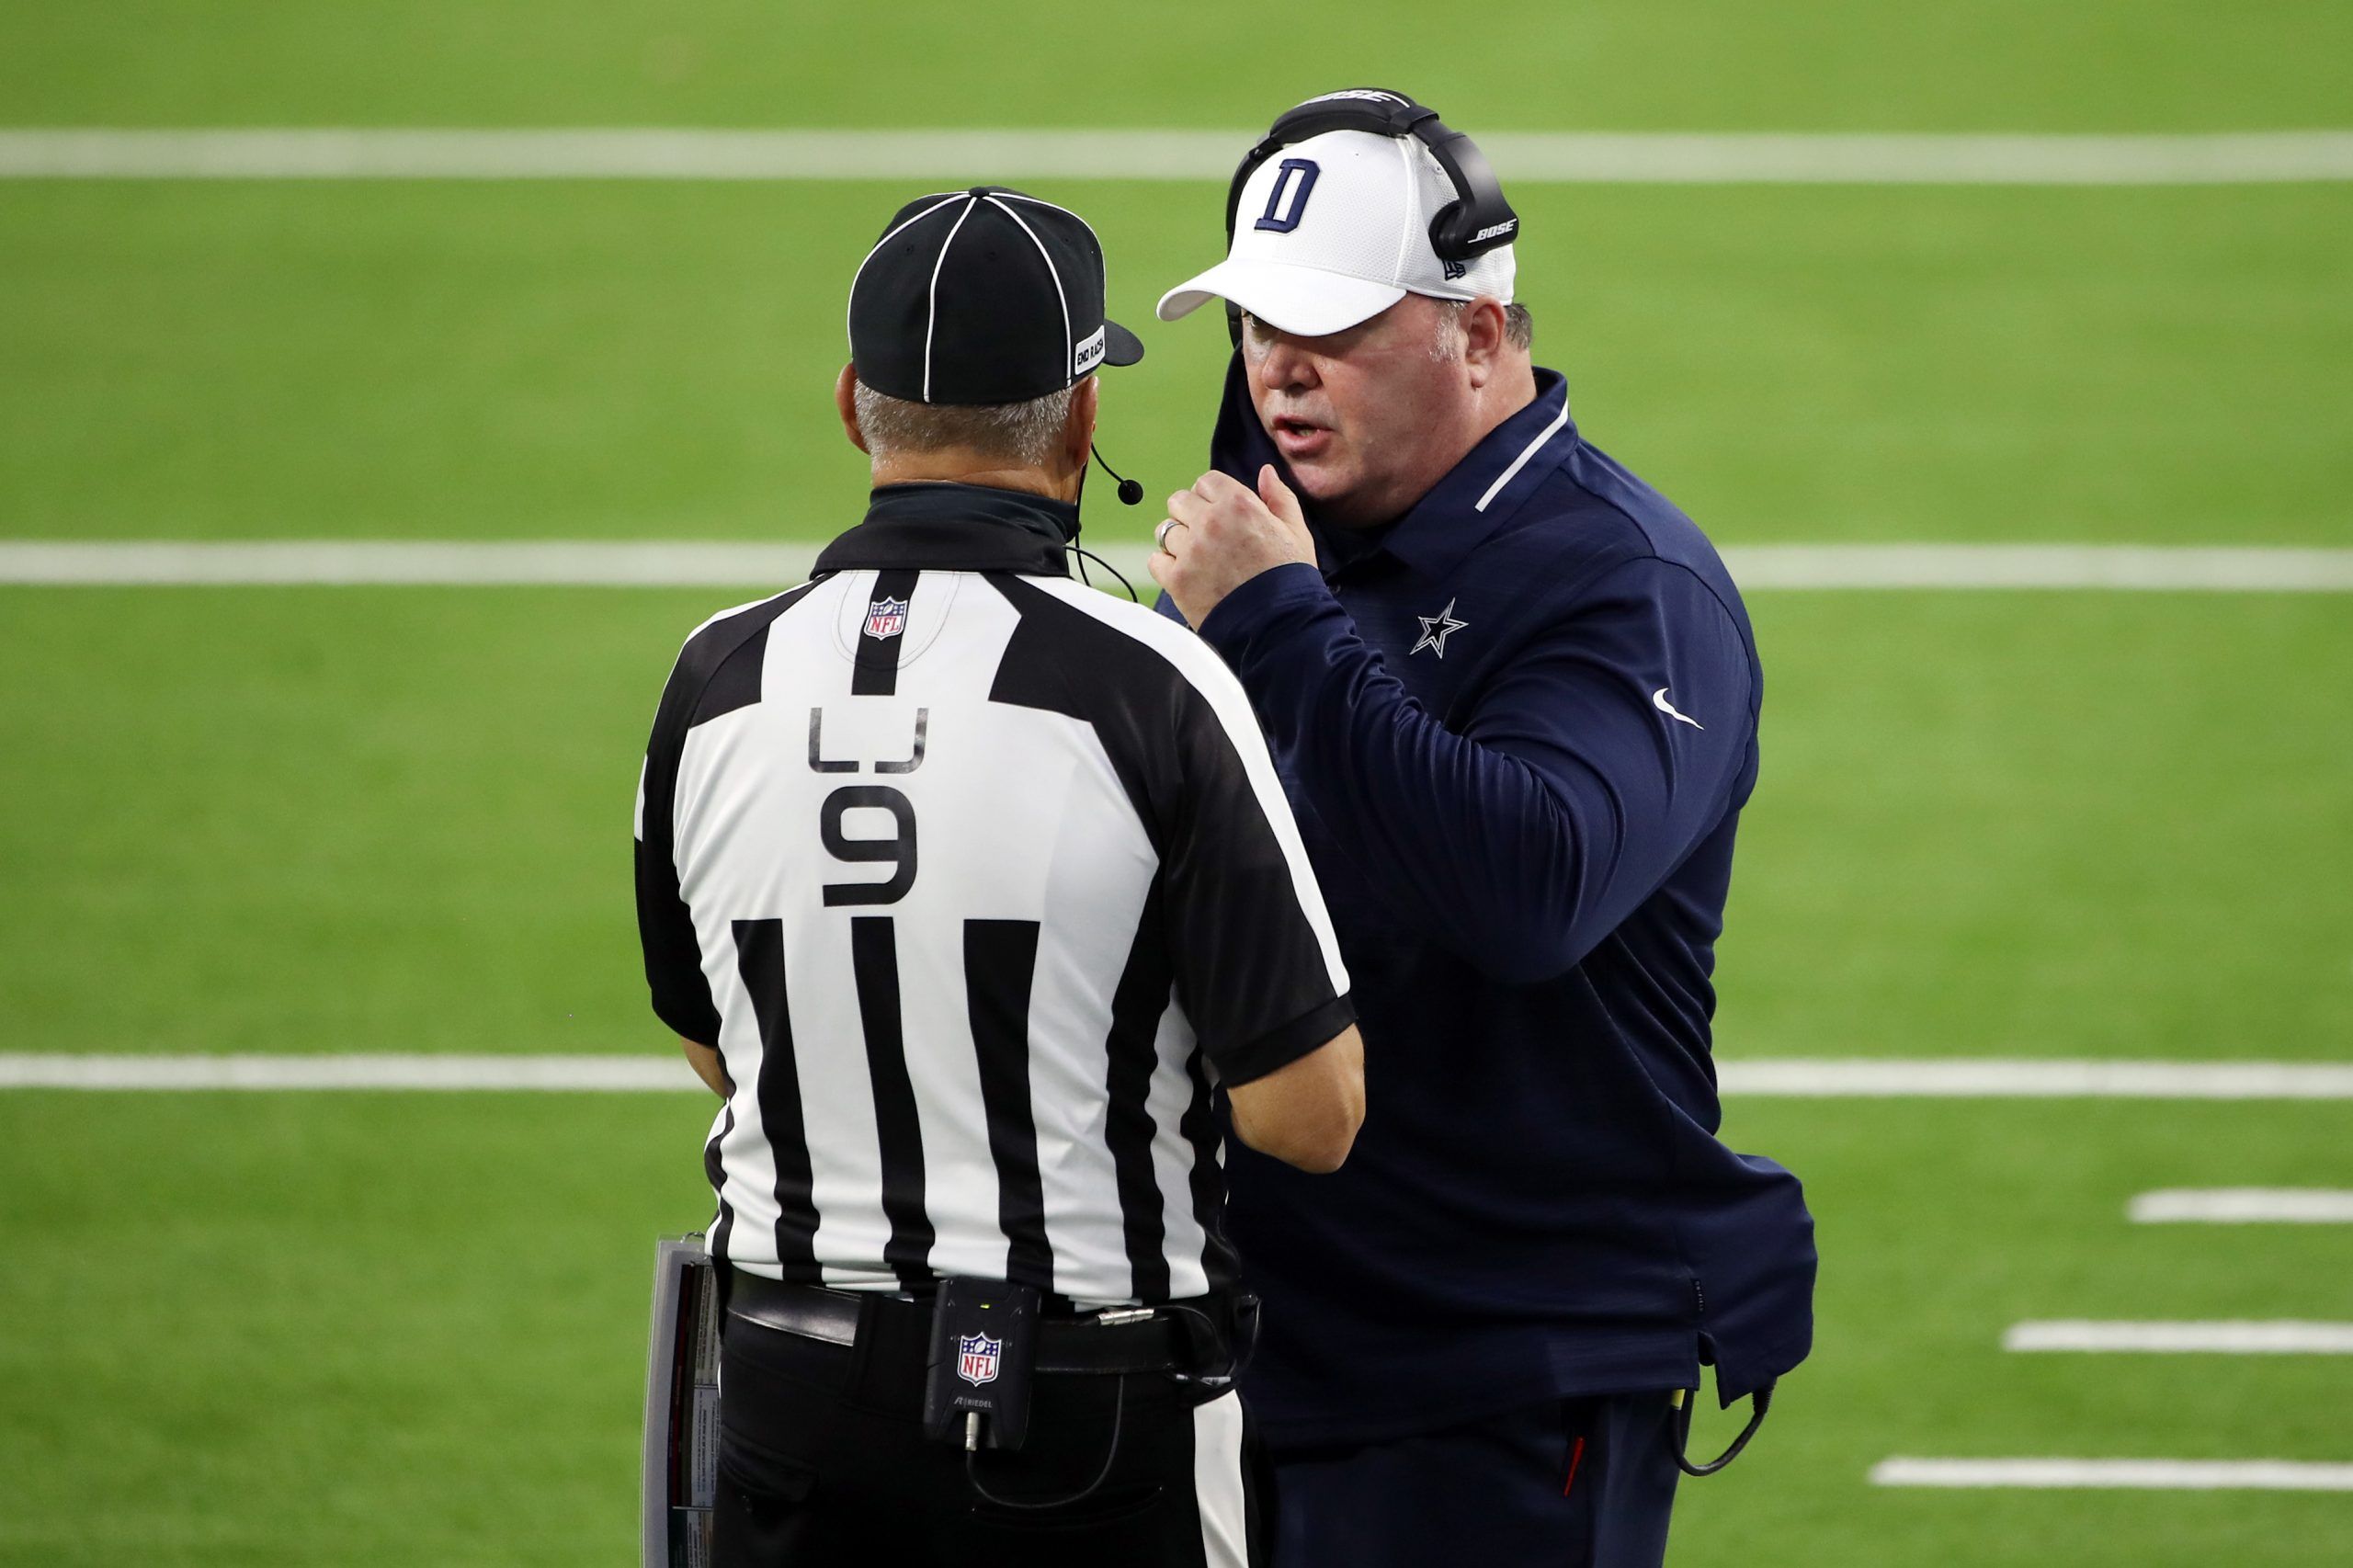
[(846, 405)]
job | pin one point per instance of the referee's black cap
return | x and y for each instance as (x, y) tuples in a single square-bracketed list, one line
[(983, 296)]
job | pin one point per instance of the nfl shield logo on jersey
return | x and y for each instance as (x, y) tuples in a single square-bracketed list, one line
[(976, 1357), (886, 618)]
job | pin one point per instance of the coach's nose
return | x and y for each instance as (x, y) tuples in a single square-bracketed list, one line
[(1283, 364)]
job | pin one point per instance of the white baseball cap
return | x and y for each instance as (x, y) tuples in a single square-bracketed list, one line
[(1332, 231)]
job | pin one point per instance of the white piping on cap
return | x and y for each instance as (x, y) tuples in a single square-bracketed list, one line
[(931, 313), (1069, 350), (885, 239), (1041, 202)]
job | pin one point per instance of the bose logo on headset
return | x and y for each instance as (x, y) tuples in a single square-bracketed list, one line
[(1373, 95)]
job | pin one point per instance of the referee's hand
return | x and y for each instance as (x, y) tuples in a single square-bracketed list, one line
[(1219, 535)]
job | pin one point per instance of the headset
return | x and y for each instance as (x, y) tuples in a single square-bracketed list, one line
[(1477, 221)]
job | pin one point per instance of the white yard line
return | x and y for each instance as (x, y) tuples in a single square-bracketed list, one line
[(2119, 566), (957, 157), (595, 1073), (2242, 1205), (2273, 1338), (685, 563), (2151, 1475), (407, 563), (1878, 1079), (2028, 1078)]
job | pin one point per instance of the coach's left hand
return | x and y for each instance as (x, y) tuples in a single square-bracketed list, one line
[(1219, 535)]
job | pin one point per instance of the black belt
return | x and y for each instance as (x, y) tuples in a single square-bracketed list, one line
[(1105, 1341)]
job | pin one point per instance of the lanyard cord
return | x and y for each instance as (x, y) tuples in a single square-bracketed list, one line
[(1762, 1400)]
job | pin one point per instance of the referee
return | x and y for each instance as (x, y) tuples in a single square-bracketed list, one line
[(973, 893)]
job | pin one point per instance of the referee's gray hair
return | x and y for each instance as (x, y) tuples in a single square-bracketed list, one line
[(1520, 329), (1020, 433)]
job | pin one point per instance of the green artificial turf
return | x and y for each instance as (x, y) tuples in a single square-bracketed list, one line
[(2059, 825), (1826, 64), (398, 820), (1943, 1223), (605, 360), (386, 819), (276, 1330), (407, 1330)]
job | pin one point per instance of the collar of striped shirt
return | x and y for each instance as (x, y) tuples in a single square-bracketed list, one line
[(957, 527)]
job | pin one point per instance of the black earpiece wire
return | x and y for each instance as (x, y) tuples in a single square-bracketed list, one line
[(1085, 555), (971, 1457), (1131, 494)]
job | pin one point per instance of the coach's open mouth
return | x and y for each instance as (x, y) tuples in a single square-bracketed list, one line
[(1300, 437)]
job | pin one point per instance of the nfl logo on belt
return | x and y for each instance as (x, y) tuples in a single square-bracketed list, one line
[(976, 1357), (886, 618)]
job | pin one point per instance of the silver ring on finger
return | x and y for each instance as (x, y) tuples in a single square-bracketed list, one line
[(1160, 534)]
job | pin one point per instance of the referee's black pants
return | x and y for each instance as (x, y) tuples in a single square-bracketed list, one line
[(823, 1462)]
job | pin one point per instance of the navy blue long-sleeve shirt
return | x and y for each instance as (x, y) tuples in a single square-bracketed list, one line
[(1518, 731)]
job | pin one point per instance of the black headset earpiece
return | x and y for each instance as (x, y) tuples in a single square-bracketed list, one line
[(1472, 224)]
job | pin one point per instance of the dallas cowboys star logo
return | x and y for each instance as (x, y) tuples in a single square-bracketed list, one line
[(1436, 629)]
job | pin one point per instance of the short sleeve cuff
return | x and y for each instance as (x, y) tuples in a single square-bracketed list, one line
[(689, 1018), (1281, 1047)]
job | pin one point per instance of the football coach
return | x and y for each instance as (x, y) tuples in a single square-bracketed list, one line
[(1513, 694)]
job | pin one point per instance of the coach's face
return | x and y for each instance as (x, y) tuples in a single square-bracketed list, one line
[(1370, 418)]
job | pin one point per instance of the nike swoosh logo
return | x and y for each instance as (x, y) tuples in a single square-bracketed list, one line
[(1659, 701)]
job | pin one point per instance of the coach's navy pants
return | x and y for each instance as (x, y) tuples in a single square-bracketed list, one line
[(1575, 1484)]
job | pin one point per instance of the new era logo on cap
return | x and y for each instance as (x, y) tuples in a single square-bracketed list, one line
[(1336, 231), (983, 296)]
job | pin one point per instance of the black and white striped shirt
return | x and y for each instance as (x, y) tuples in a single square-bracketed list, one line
[(979, 880)]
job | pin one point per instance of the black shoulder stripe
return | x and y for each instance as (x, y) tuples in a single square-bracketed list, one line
[(710, 653), (1062, 660), (736, 682), (1249, 967)]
